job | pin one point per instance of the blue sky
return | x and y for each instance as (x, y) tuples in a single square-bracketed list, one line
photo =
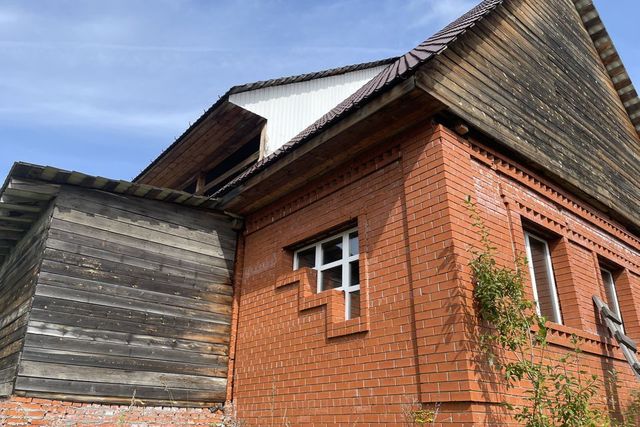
[(104, 86)]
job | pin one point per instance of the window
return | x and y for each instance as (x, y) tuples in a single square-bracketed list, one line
[(545, 292), (337, 261), (612, 296)]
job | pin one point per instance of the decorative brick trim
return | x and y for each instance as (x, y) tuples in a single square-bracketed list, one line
[(590, 343), (560, 335), (510, 169), (349, 175), (555, 224), (333, 300)]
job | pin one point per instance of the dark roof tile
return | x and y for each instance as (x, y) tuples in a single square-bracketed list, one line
[(398, 70)]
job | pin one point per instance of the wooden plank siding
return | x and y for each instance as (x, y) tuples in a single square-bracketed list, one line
[(18, 276), (133, 298), (529, 76)]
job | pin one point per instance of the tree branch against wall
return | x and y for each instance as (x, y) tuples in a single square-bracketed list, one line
[(557, 392)]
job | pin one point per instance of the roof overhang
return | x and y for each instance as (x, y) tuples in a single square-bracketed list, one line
[(403, 106), (29, 188), (228, 116), (216, 135)]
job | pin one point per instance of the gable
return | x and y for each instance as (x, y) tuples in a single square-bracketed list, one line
[(529, 76), (290, 108)]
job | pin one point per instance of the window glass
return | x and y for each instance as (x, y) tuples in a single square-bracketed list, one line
[(543, 281), (354, 248), (354, 269), (332, 251), (612, 296), (331, 278), (307, 258)]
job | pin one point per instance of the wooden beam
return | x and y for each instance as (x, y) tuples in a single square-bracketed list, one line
[(234, 170), (24, 195), (19, 208), (10, 235), (200, 182), (19, 219), (34, 186), (11, 227)]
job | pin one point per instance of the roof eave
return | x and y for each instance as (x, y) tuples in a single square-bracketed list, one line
[(611, 59)]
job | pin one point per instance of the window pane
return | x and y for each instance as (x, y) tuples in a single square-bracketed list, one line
[(355, 305), (331, 278), (354, 247), (307, 258), (542, 277), (612, 298), (332, 251), (354, 268)]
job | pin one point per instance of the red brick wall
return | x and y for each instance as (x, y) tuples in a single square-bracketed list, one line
[(24, 411), (297, 361)]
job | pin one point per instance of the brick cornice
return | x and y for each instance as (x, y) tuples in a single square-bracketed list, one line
[(560, 198)]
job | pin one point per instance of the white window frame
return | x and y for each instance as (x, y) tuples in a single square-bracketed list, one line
[(345, 262), (550, 276), (610, 286)]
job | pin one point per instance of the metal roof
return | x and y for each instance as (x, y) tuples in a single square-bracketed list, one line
[(405, 65), (29, 188), (309, 76), (400, 69), (260, 85)]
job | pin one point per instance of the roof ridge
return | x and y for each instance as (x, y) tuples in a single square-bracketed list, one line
[(610, 59), (309, 76)]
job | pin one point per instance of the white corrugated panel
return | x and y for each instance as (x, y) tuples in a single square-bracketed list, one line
[(291, 108)]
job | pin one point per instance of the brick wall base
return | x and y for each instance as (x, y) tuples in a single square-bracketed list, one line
[(21, 411)]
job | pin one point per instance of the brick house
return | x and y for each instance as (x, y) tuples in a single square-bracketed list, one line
[(302, 249)]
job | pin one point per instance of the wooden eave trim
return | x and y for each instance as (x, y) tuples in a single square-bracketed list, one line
[(186, 142), (610, 59)]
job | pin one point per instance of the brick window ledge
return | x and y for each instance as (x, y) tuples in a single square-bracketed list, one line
[(333, 300), (560, 335)]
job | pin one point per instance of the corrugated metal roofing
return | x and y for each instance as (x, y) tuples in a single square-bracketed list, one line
[(400, 69), (292, 107), (309, 76), (261, 85)]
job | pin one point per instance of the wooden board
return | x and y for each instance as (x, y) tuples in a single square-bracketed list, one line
[(529, 76), (18, 276), (131, 295)]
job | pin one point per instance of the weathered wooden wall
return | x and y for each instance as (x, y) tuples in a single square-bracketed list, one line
[(530, 76), (18, 275), (133, 299)]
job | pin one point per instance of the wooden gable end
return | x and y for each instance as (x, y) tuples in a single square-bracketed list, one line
[(529, 76)]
